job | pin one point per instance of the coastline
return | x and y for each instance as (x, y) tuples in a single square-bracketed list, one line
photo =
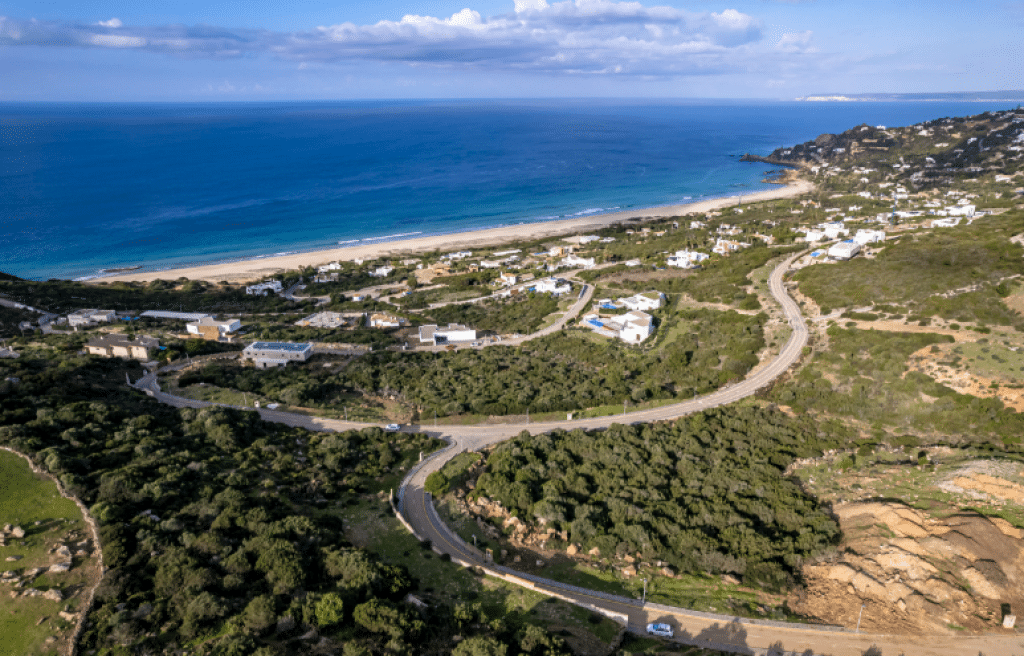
[(251, 269)]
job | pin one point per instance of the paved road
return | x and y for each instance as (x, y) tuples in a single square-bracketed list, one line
[(702, 629)]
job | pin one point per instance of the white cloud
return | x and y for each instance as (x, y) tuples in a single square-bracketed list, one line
[(796, 42), (571, 36)]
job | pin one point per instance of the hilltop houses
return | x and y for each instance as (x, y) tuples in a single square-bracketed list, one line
[(276, 354), (555, 286), (122, 346), (651, 300), (454, 333), (86, 318)]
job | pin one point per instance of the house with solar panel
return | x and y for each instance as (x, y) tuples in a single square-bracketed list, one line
[(276, 354)]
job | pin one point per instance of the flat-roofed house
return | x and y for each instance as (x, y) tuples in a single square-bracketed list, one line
[(555, 286), (214, 330), (83, 318), (844, 250), (651, 300), (632, 327), (120, 346), (381, 320), (264, 288), (277, 354), (452, 334)]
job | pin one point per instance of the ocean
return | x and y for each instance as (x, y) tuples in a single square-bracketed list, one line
[(86, 187)]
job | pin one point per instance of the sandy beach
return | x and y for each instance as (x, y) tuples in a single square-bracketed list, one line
[(248, 270)]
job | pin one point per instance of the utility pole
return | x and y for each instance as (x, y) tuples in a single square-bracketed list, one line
[(346, 413), (644, 600), (527, 415), (435, 418), (624, 408)]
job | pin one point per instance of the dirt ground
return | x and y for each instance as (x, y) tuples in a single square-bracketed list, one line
[(914, 573), (935, 364)]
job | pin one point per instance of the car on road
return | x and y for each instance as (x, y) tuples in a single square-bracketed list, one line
[(659, 629), (392, 428)]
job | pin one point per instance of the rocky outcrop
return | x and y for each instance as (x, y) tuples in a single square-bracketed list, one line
[(914, 573)]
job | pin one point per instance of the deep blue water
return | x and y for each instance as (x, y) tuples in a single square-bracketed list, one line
[(89, 186)]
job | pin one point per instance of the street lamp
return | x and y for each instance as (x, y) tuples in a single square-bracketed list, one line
[(644, 600)]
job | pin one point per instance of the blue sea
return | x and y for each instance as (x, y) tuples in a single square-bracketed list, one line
[(84, 187)]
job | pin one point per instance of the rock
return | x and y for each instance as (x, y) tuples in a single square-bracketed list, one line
[(66, 616), (540, 563), (56, 568), (594, 552), (730, 579), (516, 559), (18, 532), (40, 620), (53, 594), (63, 551), (628, 571), (572, 550), (285, 623), (14, 559), (629, 559), (668, 571), (1009, 621)]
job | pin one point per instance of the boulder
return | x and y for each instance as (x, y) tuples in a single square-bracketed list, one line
[(56, 568), (572, 550), (628, 571), (66, 616), (53, 594), (18, 532), (14, 559)]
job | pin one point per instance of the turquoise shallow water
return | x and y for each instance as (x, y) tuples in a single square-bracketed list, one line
[(85, 187)]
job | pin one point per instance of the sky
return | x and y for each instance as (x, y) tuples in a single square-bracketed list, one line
[(255, 50)]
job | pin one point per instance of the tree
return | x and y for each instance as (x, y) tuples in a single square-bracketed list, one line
[(330, 610), (260, 614), (480, 646), (437, 484)]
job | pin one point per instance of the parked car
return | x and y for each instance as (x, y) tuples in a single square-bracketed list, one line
[(663, 630), (392, 428)]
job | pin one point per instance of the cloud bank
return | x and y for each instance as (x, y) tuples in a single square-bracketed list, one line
[(573, 36)]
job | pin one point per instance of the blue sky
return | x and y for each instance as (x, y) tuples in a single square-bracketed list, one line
[(203, 50)]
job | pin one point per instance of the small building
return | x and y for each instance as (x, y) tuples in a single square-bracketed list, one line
[(556, 286), (382, 271), (586, 239), (382, 320), (726, 246), (454, 333), (509, 279), (865, 236), (844, 250), (326, 277), (174, 316), (84, 318), (276, 354), (651, 300), (333, 266), (121, 346), (213, 330), (264, 288)]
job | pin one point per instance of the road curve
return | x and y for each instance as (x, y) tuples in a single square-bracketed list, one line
[(722, 632)]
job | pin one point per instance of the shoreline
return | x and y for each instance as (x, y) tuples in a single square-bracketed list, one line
[(250, 269)]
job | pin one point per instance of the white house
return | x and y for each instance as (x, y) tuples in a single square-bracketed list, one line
[(90, 317), (961, 210), (586, 239), (508, 279), (946, 223), (577, 261), (212, 329), (696, 225), (381, 320), (814, 235), (460, 255), (276, 354), (725, 246), (651, 300), (333, 266), (263, 288), (835, 233), (633, 327), (844, 250), (454, 333), (686, 259), (865, 236), (556, 286), (382, 271)]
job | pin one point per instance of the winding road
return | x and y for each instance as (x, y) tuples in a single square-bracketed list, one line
[(723, 632)]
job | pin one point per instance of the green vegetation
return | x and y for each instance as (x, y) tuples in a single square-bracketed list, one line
[(706, 493), (967, 264), (25, 499), (62, 296), (224, 534), (522, 314), (565, 371), (864, 376)]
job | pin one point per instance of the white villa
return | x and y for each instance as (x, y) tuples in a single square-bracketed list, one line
[(725, 246), (864, 236), (382, 271), (632, 328), (276, 354), (651, 300), (90, 317), (686, 259), (577, 261), (454, 333), (556, 286), (844, 250), (263, 288)]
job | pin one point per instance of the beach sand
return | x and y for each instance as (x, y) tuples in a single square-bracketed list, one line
[(250, 270)]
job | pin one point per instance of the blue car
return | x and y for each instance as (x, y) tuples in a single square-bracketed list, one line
[(663, 630)]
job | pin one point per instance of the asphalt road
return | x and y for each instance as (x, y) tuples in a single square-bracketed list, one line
[(721, 632)]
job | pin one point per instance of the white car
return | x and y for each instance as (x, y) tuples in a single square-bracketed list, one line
[(392, 428), (663, 630)]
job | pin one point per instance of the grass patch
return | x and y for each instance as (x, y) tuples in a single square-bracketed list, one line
[(26, 498)]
